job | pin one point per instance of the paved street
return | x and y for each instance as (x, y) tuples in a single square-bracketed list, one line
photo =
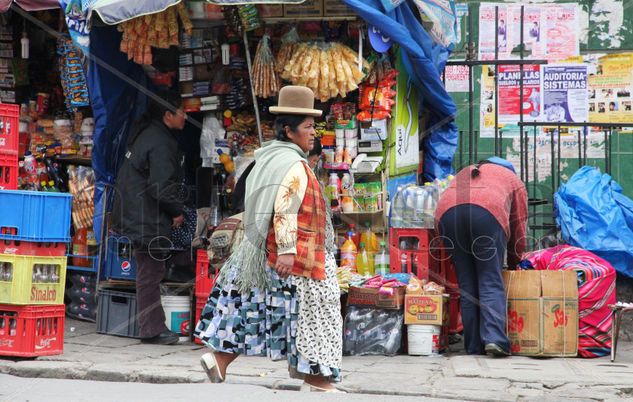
[(95, 357)]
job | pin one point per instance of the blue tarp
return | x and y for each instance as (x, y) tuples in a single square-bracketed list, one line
[(116, 101), (424, 61), (593, 214)]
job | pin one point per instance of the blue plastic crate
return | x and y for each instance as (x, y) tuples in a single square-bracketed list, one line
[(119, 262), (35, 216)]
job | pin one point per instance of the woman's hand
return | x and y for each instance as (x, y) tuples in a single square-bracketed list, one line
[(284, 265)]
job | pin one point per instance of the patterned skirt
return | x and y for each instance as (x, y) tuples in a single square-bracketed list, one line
[(272, 323)]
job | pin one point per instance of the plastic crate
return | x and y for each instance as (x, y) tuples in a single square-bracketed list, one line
[(19, 284), (8, 171), (116, 314), (9, 128), (92, 260), (205, 274), (119, 262), (414, 256), (200, 303), (18, 247), (35, 216), (29, 331)]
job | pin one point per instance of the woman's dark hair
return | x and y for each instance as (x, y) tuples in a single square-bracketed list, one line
[(166, 101), (317, 149), (475, 172), (291, 120)]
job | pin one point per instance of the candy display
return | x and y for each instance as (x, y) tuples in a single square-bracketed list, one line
[(158, 30), (72, 76), (249, 17), (329, 69), (265, 79)]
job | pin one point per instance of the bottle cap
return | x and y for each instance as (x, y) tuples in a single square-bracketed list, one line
[(362, 244), (382, 243)]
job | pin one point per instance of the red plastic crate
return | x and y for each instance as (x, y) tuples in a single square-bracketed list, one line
[(9, 128), (200, 302), (205, 274), (17, 247), (29, 331), (8, 170), (416, 259), (447, 276)]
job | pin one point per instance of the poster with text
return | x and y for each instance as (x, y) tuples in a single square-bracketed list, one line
[(487, 34), (487, 102), (456, 78), (565, 94), (610, 85), (510, 102), (562, 29)]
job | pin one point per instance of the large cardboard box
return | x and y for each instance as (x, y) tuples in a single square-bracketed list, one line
[(542, 312), (270, 10), (426, 309), (309, 8), (365, 297)]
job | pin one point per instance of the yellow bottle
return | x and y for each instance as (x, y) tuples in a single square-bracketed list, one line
[(364, 261), (348, 253), (370, 239)]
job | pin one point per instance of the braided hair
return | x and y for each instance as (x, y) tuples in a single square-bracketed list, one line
[(475, 172)]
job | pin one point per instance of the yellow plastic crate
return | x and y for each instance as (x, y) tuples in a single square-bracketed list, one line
[(32, 280)]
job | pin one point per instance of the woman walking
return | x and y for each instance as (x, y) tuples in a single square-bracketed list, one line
[(277, 295), (481, 215)]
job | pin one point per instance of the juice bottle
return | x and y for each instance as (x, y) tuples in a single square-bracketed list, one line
[(381, 261), (348, 253), (370, 239), (355, 235), (364, 261)]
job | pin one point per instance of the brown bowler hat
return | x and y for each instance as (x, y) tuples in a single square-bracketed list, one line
[(295, 99)]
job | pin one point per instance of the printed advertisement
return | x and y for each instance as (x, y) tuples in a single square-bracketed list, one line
[(550, 31), (510, 93), (610, 81), (438, 17), (456, 78), (565, 95), (487, 103)]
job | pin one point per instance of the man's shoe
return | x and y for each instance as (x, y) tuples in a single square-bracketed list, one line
[(164, 338), (496, 350)]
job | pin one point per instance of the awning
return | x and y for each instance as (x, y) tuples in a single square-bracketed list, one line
[(29, 5), (117, 11)]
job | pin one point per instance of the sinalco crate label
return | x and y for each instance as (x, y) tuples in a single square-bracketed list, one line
[(44, 293)]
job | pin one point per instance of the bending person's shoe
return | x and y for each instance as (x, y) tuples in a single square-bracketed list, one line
[(164, 338), (496, 350)]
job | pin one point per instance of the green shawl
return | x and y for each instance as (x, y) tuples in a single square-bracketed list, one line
[(246, 267)]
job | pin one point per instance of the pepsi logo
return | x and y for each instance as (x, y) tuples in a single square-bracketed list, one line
[(126, 266)]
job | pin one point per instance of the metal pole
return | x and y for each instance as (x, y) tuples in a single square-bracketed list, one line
[(558, 161), (521, 91), (585, 146), (461, 149), (606, 152), (250, 78), (497, 80), (471, 99), (552, 156), (579, 149)]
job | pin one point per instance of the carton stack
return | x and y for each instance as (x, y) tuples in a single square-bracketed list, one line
[(426, 315)]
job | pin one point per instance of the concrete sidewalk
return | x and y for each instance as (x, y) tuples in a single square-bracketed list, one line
[(91, 356)]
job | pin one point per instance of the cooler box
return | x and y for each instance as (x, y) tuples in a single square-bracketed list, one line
[(119, 263)]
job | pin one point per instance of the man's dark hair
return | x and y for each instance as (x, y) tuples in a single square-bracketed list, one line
[(291, 120), (317, 148), (165, 101)]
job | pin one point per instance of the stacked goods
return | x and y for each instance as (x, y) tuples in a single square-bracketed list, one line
[(426, 316), (158, 30), (329, 69), (265, 79), (288, 43), (83, 296), (33, 272), (81, 186)]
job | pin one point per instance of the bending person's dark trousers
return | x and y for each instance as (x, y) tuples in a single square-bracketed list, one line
[(477, 250), (149, 273)]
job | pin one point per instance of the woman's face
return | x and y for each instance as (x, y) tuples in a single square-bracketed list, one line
[(304, 136)]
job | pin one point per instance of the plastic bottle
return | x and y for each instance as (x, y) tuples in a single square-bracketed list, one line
[(333, 186), (370, 239), (80, 248), (51, 187), (348, 253), (346, 184), (381, 261), (30, 164), (364, 261), (355, 235), (397, 209)]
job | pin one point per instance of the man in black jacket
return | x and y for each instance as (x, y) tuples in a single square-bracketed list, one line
[(148, 205)]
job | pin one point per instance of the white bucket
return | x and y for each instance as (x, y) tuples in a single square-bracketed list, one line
[(177, 310), (424, 340)]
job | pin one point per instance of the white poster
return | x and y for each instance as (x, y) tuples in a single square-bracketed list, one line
[(456, 78)]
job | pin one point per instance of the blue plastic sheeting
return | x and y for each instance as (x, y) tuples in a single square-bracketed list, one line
[(594, 215), (424, 61), (113, 82)]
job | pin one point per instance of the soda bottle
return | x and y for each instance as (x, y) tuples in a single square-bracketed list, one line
[(355, 235), (348, 253), (364, 262), (370, 239), (381, 261)]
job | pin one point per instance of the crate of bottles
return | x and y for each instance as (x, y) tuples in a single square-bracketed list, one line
[(32, 280), (30, 331), (39, 249), (8, 171), (9, 128), (119, 263), (206, 274)]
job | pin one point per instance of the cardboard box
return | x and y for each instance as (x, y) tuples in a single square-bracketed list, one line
[(270, 10), (309, 8), (364, 297), (426, 309), (542, 312), (336, 8)]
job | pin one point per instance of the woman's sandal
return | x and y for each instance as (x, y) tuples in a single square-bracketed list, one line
[(210, 366), (305, 387)]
